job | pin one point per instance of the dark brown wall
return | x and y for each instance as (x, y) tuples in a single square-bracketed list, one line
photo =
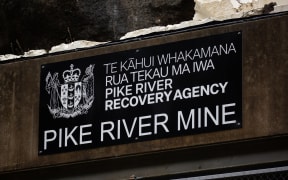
[(265, 100)]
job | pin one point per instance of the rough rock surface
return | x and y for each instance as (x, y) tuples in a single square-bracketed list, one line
[(76, 24), (41, 24), (231, 9)]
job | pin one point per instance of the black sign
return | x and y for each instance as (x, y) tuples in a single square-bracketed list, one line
[(176, 89)]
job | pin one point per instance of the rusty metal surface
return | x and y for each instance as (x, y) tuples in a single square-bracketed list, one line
[(265, 99)]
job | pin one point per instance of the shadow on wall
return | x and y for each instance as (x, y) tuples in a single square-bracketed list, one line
[(41, 24)]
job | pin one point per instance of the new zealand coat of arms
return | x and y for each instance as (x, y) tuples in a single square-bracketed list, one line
[(75, 96)]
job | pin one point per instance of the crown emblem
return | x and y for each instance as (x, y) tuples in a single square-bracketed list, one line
[(71, 75)]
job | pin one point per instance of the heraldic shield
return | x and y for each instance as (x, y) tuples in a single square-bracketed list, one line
[(71, 94), (76, 94)]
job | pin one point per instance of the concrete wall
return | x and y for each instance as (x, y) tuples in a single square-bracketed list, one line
[(265, 101)]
